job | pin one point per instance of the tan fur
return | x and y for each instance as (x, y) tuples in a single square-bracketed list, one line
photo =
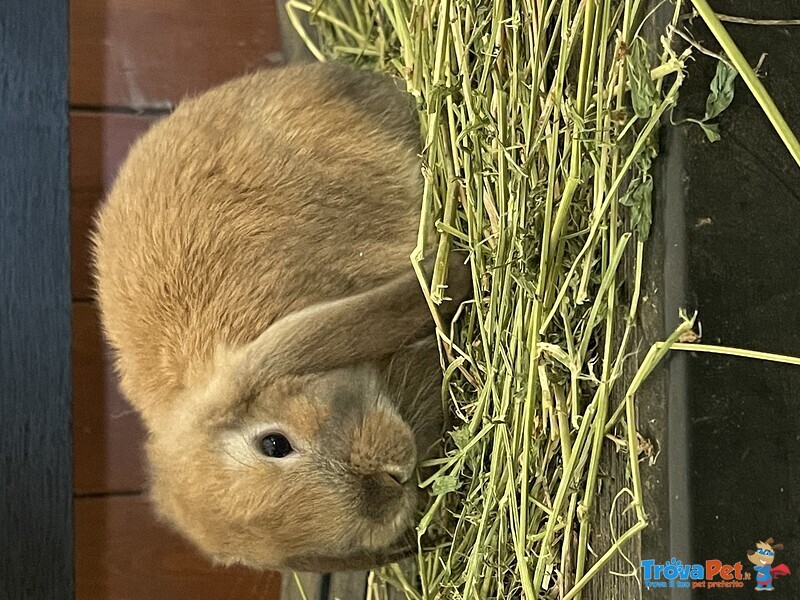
[(252, 268)]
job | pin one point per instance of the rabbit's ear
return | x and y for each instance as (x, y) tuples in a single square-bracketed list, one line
[(777, 546), (358, 328)]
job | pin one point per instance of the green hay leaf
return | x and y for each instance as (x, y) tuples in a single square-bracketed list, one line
[(721, 94), (444, 485), (711, 130), (643, 88), (639, 198), (461, 437)]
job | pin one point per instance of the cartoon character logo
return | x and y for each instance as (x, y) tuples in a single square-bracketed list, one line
[(762, 558)]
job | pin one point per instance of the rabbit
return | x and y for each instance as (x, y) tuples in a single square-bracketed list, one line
[(252, 270)]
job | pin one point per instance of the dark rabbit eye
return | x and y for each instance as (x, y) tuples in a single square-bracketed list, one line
[(275, 445)]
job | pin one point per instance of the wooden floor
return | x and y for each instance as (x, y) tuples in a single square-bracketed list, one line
[(130, 62)]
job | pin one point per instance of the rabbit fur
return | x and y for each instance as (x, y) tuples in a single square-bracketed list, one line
[(253, 275)]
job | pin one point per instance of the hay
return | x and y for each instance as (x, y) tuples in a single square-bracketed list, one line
[(539, 120)]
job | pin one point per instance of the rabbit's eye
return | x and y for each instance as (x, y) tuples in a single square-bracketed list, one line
[(275, 445)]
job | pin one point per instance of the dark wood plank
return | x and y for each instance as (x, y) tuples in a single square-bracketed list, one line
[(348, 586), (341, 586), (295, 49), (151, 53), (107, 434), (310, 583), (35, 451), (733, 432), (122, 552)]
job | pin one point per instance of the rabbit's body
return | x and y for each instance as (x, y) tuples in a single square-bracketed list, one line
[(253, 271), (263, 196)]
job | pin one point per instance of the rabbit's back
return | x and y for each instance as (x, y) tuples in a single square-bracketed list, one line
[(258, 198)]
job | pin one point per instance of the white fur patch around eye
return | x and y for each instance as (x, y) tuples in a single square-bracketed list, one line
[(240, 446)]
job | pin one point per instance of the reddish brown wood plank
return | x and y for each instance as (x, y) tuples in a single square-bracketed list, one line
[(83, 205), (151, 53), (123, 553), (107, 434), (98, 144)]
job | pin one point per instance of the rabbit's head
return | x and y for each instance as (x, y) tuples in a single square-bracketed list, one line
[(291, 457)]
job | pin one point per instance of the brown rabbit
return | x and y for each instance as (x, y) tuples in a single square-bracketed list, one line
[(253, 272)]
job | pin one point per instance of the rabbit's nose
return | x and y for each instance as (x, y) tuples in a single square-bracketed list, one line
[(399, 473), (382, 497)]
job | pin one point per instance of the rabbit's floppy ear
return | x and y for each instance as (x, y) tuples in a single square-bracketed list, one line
[(354, 329)]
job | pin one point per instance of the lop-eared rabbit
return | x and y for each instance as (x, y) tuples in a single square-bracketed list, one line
[(254, 277)]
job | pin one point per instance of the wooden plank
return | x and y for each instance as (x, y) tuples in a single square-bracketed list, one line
[(295, 49), (151, 53), (98, 144), (107, 434), (341, 586), (348, 586), (610, 517), (35, 450), (81, 217), (123, 552), (310, 583), (376, 589)]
